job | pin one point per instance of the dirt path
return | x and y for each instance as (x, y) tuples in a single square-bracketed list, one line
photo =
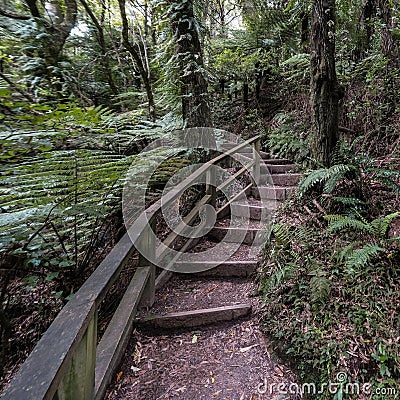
[(228, 360)]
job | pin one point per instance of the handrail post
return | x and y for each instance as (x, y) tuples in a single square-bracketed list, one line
[(256, 159), (148, 244), (78, 381), (211, 185)]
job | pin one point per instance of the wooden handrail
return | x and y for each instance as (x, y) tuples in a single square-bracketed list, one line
[(62, 364)]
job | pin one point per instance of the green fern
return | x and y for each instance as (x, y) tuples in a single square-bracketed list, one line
[(281, 274), (339, 223), (357, 254), (330, 177), (380, 226), (320, 284), (288, 137), (360, 258), (377, 227)]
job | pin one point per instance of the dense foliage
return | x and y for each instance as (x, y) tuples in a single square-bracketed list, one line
[(331, 276)]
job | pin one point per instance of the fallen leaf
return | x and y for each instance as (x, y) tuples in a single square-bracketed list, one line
[(135, 369), (119, 376)]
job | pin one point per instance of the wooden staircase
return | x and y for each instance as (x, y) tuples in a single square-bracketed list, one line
[(279, 181), (71, 362)]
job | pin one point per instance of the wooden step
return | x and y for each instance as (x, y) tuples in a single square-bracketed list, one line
[(286, 179), (257, 211), (237, 268), (277, 161), (191, 319), (279, 193), (280, 168), (237, 235)]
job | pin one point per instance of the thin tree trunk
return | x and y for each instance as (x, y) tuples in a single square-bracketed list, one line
[(195, 102), (369, 12), (246, 94), (305, 31), (324, 84), (138, 60), (102, 43), (385, 8)]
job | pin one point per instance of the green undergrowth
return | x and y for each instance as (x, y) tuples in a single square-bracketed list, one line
[(331, 281), (63, 168)]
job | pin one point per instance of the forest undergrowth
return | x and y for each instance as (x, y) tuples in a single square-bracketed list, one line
[(330, 280)]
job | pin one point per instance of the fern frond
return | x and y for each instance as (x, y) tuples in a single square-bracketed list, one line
[(381, 225), (342, 254), (339, 223), (359, 258), (279, 276), (320, 286), (331, 176), (349, 201)]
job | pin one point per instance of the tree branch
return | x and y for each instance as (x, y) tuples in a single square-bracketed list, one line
[(32, 4), (13, 15)]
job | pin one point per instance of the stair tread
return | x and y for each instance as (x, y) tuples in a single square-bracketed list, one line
[(191, 292)]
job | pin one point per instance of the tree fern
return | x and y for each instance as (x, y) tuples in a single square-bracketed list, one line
[(63, 179)]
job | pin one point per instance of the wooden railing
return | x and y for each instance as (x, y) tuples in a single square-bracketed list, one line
[(68, 363)]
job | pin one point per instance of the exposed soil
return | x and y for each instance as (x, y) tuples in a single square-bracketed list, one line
[(225, 361)]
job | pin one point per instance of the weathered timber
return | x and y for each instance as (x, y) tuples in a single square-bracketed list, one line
[(273, 192), (236, 268), (48, 367), (114, 340), (190, 319), (78, 382)]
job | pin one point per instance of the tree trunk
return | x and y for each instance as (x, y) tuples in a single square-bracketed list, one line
[(138, 60), (305, 31), (386, 17), (102, 43), (324, 85), (367, 29), (246, 94), (62, 18), (195, 102)]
